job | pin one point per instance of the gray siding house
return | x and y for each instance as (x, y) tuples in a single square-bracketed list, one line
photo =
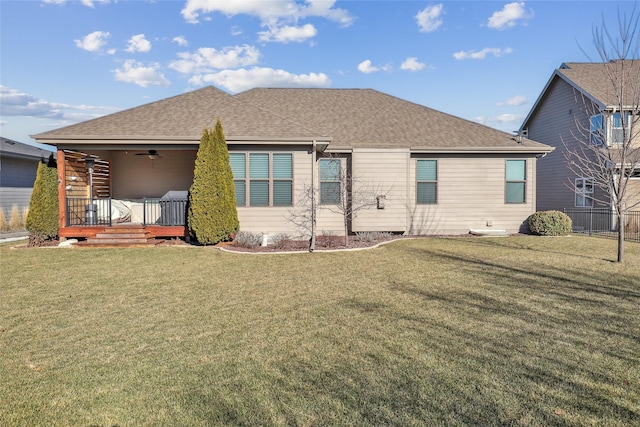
[(577, 104), (18, 167), (426, 172)]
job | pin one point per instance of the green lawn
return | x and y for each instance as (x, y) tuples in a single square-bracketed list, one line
[(519, 331)]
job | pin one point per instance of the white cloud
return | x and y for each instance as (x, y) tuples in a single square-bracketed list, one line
[(412, 64), (269, 12), (138, 43), (180, 41), (429, 18), (366, 67), (288, 34), (471, 54), (90, 3), (503, 122), (508, 16), (16, 103), (136, 73), (209, 59), (244, 79), (94, 42), (514, 101)]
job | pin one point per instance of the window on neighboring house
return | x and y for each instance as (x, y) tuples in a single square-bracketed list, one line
[(269, 181), (596, 129), (516, 181), (330, 173), (426, 181), (584, 192), (617, 134)]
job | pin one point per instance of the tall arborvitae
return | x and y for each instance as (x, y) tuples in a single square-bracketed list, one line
[(212, 214), (42, 219)]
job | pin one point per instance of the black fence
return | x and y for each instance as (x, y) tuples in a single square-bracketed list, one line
[(106, 212), (604, 223)]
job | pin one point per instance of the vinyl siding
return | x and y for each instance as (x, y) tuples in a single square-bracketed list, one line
[(471, 195), (555, 124), (16, 172), (14, 196), (382, 172)]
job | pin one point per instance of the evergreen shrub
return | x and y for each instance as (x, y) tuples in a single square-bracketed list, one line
[(42, 219), (212, 215), (550, 223)]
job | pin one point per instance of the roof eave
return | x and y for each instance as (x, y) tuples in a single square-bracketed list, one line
[(521, 149)]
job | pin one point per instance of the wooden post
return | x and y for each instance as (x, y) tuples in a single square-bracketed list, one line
[(62, 190)]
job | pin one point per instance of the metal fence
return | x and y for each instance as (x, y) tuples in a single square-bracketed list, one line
[(604, 223), (149, 211)]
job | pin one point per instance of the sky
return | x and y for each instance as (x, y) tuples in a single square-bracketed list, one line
[(63, 61)]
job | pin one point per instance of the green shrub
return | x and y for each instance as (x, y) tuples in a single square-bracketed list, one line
[(42, 219), (212, 215), (550, 223)]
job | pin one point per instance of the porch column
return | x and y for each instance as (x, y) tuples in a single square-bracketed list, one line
[(62, 190)]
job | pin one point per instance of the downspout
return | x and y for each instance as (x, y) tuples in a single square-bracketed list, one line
[(312, 241)]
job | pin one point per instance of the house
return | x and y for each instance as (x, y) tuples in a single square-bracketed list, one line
[(429, 172), (18, 168), (577, 105)]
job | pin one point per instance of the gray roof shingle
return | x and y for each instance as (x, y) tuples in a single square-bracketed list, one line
[(350, 118), (592, 79), (9, 147)]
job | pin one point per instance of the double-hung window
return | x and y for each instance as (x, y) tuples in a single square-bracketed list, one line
[(516, 181), (426, 181), (263, 179), (617, 131), (596, 129), (584, 192), (330, 185)]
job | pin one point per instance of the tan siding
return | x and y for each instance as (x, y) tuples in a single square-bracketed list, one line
[(471, 195), (382, 172)]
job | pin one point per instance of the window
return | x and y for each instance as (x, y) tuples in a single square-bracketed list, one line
[(426, 181), (269, 181), (516, 181), (239, 168), (596, 129), (584, 192), (330, 173), (617, 134)]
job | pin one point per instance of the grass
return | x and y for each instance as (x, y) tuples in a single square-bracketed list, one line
[(483, 331)]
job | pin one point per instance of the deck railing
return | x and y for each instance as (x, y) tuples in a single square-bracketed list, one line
[(604, 223), (105, 211)]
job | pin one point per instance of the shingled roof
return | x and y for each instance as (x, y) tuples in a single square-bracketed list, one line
[(349, 118), (183, 118), (366, 118), (11, 148), (591, 78)]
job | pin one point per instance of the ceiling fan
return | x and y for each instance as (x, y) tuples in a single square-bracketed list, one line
[(152, 154)]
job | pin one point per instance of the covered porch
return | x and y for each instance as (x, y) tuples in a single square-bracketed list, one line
[(102, 190)]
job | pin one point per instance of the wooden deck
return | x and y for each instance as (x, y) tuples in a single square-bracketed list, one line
[(154, 231)]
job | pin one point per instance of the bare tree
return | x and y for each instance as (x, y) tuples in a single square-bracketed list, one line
[(608, 148), (340, 192)]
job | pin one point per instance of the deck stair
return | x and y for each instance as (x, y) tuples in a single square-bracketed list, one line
[(120, 236)]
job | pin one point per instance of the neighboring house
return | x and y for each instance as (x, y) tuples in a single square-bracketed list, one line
[(18, 167), (576, 105), (430, 172)]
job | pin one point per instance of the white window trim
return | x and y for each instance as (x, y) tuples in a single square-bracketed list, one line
[(586, 196)]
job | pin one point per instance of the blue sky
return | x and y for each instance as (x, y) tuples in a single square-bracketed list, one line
[(487, 61)]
